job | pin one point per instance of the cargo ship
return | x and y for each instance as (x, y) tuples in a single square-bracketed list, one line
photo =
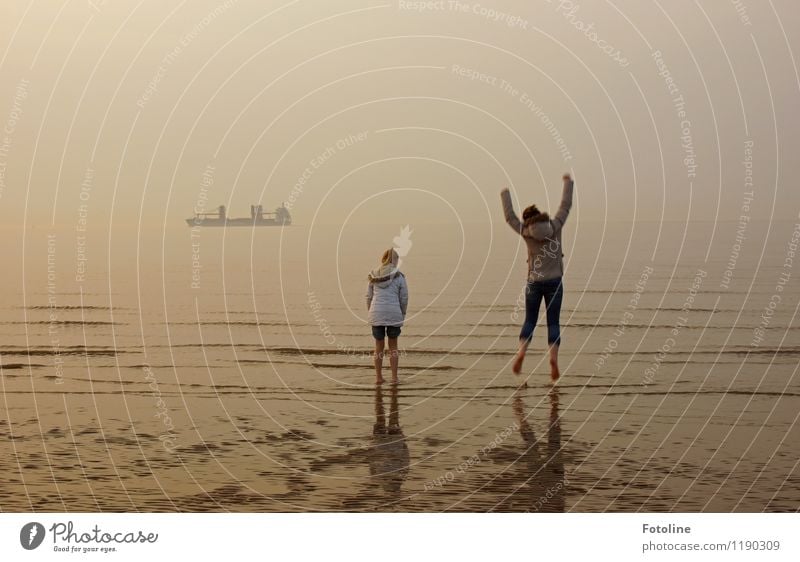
[(258, 217)]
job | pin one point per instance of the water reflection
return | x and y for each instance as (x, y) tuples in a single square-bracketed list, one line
[(388, 454), (543, 466)]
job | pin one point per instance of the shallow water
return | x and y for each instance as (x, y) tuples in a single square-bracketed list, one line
[(253, 391)]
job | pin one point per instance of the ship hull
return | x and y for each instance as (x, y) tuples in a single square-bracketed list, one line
[(235, 222)]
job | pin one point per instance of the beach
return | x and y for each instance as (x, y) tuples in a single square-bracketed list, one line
[(252, 390)]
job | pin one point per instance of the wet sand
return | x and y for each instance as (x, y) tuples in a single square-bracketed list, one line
[(135, 393), (246, 441)]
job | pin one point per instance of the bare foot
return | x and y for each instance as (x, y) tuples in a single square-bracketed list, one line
[(395, 382), (554, 372), (379, 380), (516, 368)]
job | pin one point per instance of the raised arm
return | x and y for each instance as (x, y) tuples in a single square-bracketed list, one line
[(508, 210), (566, 201)]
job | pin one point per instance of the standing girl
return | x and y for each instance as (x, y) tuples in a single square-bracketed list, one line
[(387, 301)]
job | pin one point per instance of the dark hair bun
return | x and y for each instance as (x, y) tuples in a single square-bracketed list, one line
[(530, 212)]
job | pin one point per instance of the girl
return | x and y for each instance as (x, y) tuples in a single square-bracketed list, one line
[(387, 301), (542, 235)]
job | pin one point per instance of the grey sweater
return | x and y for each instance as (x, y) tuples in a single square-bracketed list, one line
[(542, 238), (387, 297)]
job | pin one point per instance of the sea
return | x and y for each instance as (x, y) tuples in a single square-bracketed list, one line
[(171, 368)]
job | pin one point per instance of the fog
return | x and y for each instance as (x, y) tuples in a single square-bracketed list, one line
[(124, 115)]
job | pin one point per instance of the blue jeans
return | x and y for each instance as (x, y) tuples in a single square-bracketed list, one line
[(552, 291)]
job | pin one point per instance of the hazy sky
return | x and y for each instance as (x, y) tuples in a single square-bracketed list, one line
[(416, 111)]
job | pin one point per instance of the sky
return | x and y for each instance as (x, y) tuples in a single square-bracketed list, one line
[(124, 115)]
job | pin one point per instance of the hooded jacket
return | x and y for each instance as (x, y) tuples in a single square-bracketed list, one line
[(387, 296), (543, 238)]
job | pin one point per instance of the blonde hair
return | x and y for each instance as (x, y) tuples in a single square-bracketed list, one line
[(389, 256)]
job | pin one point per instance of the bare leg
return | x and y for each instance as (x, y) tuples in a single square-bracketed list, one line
[(554, 372), (394, 359), (516, 367), (378, 361)]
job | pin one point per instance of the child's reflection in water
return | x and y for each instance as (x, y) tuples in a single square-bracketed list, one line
[(544, 476), (389, 458)]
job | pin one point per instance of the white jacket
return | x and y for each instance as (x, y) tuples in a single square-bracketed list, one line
[(387, 297)]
